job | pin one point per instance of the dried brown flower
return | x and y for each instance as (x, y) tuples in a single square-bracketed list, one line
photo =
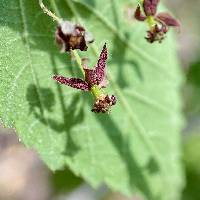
[(70, 36)]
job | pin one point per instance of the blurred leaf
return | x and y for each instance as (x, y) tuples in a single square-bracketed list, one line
[(192, 162), (136, 147), (192, 90), (194, 74), (64, 181), (192, 141)]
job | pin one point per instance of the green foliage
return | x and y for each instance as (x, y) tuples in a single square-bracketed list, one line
[(135, 148), (192, 90), (63, 181), (192, 139), (192, 162)]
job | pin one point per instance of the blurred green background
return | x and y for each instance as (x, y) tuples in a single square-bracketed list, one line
[(35, 182)]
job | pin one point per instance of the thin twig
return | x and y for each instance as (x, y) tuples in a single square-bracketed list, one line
[(74, 53)]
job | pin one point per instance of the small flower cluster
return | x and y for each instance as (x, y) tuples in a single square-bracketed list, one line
[(159, 23), (70, 36), (95, 80)]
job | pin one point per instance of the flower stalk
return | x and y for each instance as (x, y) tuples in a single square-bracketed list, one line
[(77, 58), (151, 21), (73, 52), (48, 12)]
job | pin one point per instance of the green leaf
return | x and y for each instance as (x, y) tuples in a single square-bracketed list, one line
[(136, 148)]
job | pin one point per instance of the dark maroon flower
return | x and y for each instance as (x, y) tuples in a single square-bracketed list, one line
[(150, 7), (157, 33), (95, 80), (70, 36), (159, 23), (103, 104)]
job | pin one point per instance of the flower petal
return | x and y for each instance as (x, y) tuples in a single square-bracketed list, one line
[(97, 76), (167, 19), (101, 65), (138, 14), (89, 37), (150, 7), (72, 82), (90, 77)]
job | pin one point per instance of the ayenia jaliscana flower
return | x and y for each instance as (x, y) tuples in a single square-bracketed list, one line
[(159, 23), (70, 36), (95, 80)]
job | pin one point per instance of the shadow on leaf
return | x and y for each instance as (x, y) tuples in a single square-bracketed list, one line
[(122, 146), (45, 102), (121, 61)]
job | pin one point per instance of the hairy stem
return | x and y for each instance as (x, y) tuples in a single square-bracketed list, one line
[(78, 60), (97, 92), (74, 53), (48, 12), (151, 21)]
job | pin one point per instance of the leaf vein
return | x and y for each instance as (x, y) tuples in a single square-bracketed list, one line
[(33, 73)]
